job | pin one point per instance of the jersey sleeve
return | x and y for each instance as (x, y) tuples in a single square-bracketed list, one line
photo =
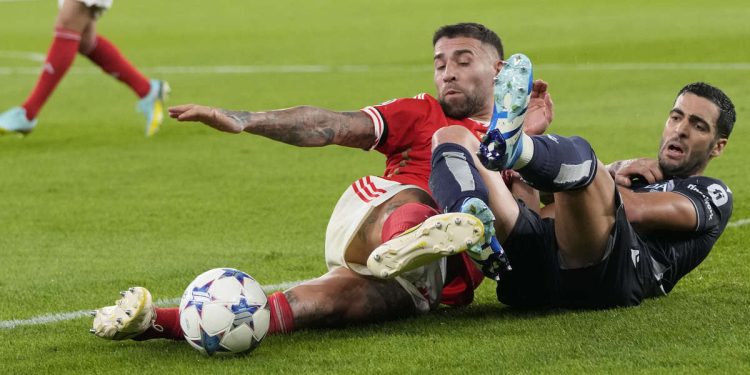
[(395, 122), (711, 198)]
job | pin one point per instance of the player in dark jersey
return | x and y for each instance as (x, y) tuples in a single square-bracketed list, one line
[(467, 57), (603, 245)]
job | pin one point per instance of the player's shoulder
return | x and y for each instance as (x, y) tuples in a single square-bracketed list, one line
[(421, 99), (425, 96), (703, 182), (708, 188), (419, 106)]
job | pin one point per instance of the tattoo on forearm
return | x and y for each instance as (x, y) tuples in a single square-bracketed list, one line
[(348, 136), (308, 126), (241, 117)]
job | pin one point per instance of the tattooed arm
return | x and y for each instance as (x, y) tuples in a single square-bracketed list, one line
[(300, 126)]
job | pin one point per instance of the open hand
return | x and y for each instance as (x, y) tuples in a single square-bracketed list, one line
[(645, 171), (540, 110), (216, 118)]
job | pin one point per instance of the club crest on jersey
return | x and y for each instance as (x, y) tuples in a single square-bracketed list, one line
[(662, 186), (718, 195)]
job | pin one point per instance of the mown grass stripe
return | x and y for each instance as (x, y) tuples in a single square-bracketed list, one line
[(738, 223)]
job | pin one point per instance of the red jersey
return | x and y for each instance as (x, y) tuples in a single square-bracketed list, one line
[(404, 129)]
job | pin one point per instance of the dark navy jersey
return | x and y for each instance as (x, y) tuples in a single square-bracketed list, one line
[(674, 254)]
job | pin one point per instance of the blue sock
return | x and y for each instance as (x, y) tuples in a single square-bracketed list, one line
[(560, 163), (455, 178)]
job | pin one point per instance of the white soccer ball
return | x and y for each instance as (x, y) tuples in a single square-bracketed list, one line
[(224, 310)]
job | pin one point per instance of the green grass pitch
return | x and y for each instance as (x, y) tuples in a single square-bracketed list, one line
[(89, 206)]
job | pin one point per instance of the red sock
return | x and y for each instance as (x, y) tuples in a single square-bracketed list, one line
[(166, 326), (59, 58), (168, 320), (109, 58), (405, 217), (282, 320)]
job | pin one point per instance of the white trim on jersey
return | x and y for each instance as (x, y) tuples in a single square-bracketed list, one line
[(377, 122)]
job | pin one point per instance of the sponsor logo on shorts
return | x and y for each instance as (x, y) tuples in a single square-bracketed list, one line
[(635, 255)]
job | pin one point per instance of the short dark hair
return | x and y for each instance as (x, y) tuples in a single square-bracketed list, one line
[(727, 115), (470, 30)]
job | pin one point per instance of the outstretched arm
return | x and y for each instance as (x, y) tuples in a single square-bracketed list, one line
[(299, 126)]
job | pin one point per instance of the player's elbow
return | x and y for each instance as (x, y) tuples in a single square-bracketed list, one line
[(635, 209), (635, 214)]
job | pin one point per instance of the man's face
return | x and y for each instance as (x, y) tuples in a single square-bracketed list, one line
[(689, 139), (464, 69)]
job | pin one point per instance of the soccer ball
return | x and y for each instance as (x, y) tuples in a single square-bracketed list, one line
[(224, 310)]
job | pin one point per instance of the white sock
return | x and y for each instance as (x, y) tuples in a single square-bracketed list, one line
[(526, 153)]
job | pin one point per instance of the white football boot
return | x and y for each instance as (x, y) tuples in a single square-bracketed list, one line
[(131, 315), (437, 237), (502, 146)]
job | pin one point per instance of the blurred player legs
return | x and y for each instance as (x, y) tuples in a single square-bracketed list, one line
[(75, 32)]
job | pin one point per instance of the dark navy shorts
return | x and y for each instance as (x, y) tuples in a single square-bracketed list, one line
[(623, 278)]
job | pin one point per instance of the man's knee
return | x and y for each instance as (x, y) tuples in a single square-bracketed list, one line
[(88, 42), (454, 134), (74, 16), (405, 217)]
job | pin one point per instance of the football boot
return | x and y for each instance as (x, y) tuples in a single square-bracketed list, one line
[(501, 146), (152, 105), (14, 121), (437, 237), (131, 315)]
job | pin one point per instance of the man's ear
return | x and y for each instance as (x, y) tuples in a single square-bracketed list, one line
[(719, 147), (498, 66)]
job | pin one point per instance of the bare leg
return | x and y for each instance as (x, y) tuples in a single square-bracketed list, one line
[(88, 38), (72, 19), (342, 297), (583, 220), (74, 15), (369, 235)]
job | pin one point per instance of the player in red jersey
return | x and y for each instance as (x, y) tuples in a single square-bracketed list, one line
[(75, 32), (373, 209)]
